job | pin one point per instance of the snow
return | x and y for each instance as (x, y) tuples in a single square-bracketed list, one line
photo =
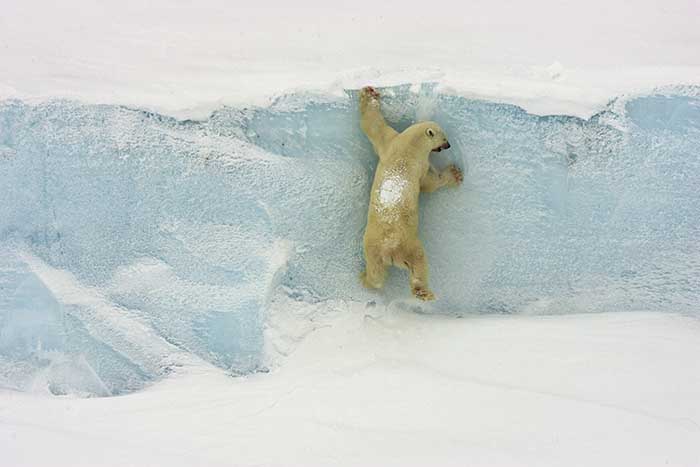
[(183, 291), (188, 59), (379, 386), (390, 190)]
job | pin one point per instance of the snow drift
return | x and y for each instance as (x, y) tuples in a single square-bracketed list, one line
[(134, 243)]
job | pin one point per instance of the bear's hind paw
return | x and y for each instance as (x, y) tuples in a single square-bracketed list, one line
[(367, 283), (423, 294)]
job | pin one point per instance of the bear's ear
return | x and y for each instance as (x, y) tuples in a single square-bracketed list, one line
[(430, 132)]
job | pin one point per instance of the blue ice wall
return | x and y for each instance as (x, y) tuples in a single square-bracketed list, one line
[(557, 214), (185, 228)]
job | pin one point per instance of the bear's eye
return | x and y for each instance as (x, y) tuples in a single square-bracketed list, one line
[(430, 132)]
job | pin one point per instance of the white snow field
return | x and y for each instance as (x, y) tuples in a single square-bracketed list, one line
[(187, 58), (390, 388), (183, 191)]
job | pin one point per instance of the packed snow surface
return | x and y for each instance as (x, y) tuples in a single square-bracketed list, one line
[(187, 59), (382, 387)]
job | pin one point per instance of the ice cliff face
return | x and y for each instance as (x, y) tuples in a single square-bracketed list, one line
[(132, 243)]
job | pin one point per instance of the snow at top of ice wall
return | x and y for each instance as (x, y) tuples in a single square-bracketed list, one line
[(179, 231), (187, 59)]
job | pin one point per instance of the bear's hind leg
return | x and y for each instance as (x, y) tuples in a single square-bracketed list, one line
[(417, 265), (375, 270)]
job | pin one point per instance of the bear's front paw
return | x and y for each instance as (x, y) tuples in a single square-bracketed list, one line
[(456, 176), (370, 92), (423, 294), (369, 95)]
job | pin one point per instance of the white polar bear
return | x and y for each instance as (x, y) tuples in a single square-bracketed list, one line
[(391, 236)]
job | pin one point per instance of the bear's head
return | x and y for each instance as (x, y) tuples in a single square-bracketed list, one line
[(430, 136)]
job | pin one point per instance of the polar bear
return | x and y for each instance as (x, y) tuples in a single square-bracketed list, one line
[(391, 236)]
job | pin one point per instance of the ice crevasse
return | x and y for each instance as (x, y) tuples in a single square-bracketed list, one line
[(132, 243)]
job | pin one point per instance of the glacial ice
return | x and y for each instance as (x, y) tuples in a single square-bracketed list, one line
[(133, 243)]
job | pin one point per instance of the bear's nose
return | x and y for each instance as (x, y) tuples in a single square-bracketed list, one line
[(446, 145)]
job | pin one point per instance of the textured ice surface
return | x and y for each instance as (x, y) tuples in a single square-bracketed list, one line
[(179, 231)]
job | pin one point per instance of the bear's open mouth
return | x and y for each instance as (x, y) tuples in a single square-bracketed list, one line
[(446, 145)]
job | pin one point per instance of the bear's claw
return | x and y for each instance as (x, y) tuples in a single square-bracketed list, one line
[(423, 294), (371, 91), (456, 174)]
